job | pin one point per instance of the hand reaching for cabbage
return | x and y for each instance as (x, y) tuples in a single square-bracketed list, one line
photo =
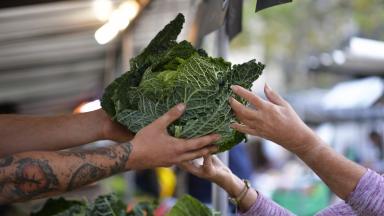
[(273, 119)]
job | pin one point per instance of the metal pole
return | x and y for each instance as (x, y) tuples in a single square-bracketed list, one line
[(219, 196)]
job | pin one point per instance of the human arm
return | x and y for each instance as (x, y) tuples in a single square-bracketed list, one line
[(32, 133), (251, 204), (367, 198), (275, 119), (37, 174)]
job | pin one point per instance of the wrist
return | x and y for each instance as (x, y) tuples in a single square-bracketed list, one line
[(306, 142), (99, 118), (232, 184), (312, 145), (135, 161), (222, 178)]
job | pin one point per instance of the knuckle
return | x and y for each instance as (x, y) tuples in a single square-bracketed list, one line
[(205, 151), (242, 112), (166, 117), (268, 106), (252, 126), (255, 101), (273, 109)]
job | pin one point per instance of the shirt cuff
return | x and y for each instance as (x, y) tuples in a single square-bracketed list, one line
[(264, 206)]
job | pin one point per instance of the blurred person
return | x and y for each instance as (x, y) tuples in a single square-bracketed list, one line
[(259, 158), (373, 154), (274, 119), (32, 167)]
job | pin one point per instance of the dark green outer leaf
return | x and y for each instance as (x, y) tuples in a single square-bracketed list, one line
[(106, 205), (61, 207), (189, 206)]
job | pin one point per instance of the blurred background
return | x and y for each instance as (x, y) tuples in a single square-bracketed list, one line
[(326, 57)]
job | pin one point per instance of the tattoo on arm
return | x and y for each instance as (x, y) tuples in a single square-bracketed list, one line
[(85, 174), (120, 164), (4, 162), (108, 152), (34, 176)]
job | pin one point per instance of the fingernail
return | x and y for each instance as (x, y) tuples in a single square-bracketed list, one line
[(234, 88), (181, 107), (215, 149), (230, 99)]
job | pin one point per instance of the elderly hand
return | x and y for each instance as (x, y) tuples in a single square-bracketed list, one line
[(153, 146), (212, 169), (273, 119)]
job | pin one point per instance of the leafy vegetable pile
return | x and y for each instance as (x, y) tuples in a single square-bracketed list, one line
[(167, 73), (104, 205), (111, 205)]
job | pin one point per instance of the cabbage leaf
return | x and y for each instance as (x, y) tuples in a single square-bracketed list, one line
[(187, 206)]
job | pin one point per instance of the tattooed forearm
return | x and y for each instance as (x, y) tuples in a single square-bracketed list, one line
[(37, 174)]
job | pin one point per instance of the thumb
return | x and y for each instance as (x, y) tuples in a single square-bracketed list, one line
[(207, 161), (172, 115), (273, 97), (208, 166)]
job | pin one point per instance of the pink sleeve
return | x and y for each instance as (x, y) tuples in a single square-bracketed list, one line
[(367, 199), (266, 207)]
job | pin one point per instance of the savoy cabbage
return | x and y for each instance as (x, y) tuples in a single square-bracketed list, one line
[(166, 73)]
